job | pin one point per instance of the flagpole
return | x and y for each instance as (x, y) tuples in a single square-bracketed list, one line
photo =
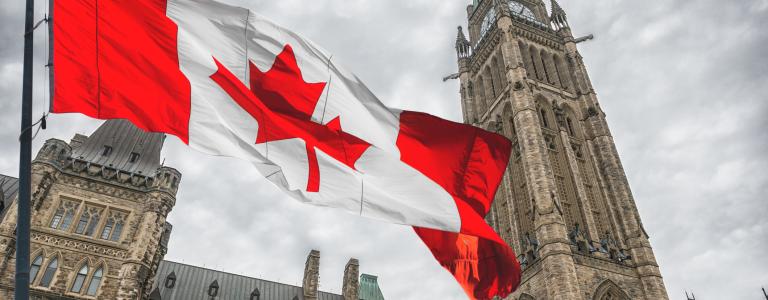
[(21, 291)]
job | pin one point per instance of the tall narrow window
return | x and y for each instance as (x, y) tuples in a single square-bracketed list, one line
[(118, 230), (107, 229), (49, 272), (62, 219), (80, 279), (95, 217), (83, 222), (114, 226), (88, 221), (544, 121), (56, 221), (570, 126), (36, 264), (93, 286)]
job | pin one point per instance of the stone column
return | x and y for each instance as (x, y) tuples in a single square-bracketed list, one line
[(311, 275), (350, 286)]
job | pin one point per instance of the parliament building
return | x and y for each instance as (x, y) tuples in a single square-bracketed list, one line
[(565, 205), (99, 206)]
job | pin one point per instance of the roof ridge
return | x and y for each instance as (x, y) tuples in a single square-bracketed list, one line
[(240, 275)]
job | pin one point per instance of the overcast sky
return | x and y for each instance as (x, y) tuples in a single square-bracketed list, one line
[(683, 83)]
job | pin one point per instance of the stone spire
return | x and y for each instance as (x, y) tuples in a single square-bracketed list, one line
[(558, 16), (463, 47)]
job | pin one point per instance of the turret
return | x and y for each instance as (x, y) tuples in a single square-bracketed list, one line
[(558, 17), (463, 47), (559, 20)]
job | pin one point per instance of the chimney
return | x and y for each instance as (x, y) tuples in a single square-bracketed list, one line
[(349, 289), (311, 275)]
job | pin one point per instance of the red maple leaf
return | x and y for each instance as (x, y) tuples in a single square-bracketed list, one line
[(282, 103)]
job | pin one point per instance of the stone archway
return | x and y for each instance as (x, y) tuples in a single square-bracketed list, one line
[(608, 290)]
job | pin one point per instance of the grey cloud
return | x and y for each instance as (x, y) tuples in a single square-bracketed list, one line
[(683, 83)]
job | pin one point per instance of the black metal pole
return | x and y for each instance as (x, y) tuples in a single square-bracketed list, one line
[(25, 158)]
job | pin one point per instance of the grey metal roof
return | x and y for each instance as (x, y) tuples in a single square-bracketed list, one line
[(9, 187), (192, 283), (124, 139)]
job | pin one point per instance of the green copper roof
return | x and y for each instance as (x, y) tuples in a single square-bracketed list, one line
[(369, 288)]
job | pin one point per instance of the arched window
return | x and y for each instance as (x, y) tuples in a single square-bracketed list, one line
[(50, 270), (64, 215), (480, 96), (93, 286), (255, 295), (569, 123), (213, 289), (544, 121), (80, 279), (170, 280), (526, 55), (610, 291), (495, 72), (36, 264), (502, 67), (88, 220), (490, 87), (547, 77), (538, 68), (562, 73)]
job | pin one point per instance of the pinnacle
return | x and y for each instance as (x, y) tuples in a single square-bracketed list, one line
[(460, 36), (556, 9)]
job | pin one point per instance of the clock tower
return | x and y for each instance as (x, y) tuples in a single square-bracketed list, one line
[(565, 205)]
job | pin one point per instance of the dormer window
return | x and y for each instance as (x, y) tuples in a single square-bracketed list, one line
[(213, 289), (134, 157), (170, 281), (106, 151)]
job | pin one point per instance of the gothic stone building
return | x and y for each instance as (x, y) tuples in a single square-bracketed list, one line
[(565, 205), (99, 205)]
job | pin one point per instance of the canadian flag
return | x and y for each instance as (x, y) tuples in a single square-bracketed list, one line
[(228, 82)]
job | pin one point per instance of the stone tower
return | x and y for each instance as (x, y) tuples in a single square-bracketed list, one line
[(565, 205), (311, 275), (99, 206)]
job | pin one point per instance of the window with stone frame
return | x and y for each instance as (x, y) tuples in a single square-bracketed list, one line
[(50, 270), (35, 268), (88, 220), (77, 286), (64, 215), (113, 227), (95, 282)]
